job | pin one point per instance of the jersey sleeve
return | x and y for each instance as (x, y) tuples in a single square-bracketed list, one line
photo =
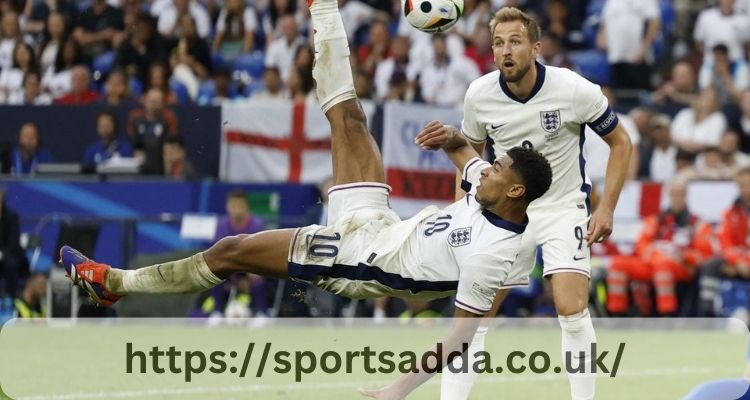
[(470, 127), (472, 172), (592, 107), (481, 277)]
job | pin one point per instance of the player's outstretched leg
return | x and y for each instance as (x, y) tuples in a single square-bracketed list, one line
[(356, 157), (264, 253)]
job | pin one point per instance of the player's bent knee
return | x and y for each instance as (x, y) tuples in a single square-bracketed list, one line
[(571, 306), (223, 255)]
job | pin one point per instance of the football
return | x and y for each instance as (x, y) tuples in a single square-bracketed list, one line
[(433, 16)]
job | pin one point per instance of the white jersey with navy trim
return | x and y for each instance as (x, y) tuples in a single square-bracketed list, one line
[(478, 244), (366, 251), (551, 120)]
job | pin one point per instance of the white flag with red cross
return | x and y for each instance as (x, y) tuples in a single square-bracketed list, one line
[(276, 141)]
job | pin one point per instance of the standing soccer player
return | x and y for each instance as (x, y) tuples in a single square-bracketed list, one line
[(528, 104)]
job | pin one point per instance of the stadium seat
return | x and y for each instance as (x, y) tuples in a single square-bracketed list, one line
[(183, 97), (136, 87), (592, 64), (102, 65), (206, 93), (253, 64)]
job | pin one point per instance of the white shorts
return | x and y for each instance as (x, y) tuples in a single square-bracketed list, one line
[(351, 256), (561, 235)]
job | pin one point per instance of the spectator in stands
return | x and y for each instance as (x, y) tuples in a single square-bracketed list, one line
[(558, 21), (191, 58), (235, 30), (143, 47), (721, 25), (222, 87), (28, 154), (158, 78), (30, 303), (58, 79), (147, 128), (169, 25), (237, 297), (741, 124), (363, 85), (116, 90), (658, 160), (272, 26), (13, 265), (731, 155), (273, 87), (32, 90), (11, 79), (109, 145), (301, 85), (176, 164), (729, 78), (734, 258), (551, 52), (97, 27), (686, 171), (710, 166), (629, 49), (679, 91), (701, 125), (475, 18), (11, 34), (81, 92), (304, 57), (670, 247), (396, 64), (480, 50), (280, 53), (376, 49), (37, 15), (55, 32), (444, 80), (239, 218)]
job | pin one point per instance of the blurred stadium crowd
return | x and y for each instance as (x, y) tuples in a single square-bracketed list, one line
[(676, 71)]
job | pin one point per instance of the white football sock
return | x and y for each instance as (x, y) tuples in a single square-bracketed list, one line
[(457, 385), (332, 71), (577, 336), (183, 276)]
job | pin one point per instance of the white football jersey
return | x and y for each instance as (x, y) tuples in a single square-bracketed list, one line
[(467, 242), (551, 120)]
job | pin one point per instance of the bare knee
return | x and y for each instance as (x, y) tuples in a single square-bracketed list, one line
[(223, 256), (571, 306)]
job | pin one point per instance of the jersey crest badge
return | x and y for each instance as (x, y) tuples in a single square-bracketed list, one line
[(459, 237), (551, 121)]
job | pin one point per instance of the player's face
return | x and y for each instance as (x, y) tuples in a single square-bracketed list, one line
[(514, 52), (498, 182)]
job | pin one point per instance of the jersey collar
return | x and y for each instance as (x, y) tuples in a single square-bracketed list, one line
[(494, 219), (540, 73)]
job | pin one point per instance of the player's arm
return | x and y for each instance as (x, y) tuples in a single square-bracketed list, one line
[(617, 169), (437, 136), (464, 326)]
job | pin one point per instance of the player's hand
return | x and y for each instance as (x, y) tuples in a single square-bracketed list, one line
[(600, 226), (381, 394), (433, 136)]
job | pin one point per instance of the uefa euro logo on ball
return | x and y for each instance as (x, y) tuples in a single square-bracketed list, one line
[(433, 16)]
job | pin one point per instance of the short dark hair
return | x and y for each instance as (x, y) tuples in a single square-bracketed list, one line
[(176, 140), (237, 193), (111, 115), (533, 169)]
